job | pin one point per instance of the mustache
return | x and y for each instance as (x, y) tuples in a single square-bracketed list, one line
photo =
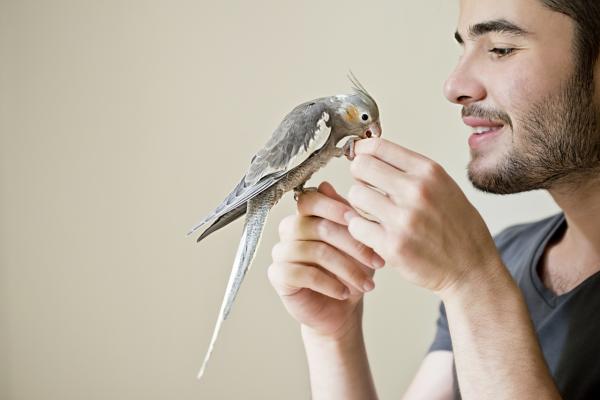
[(477, 111)]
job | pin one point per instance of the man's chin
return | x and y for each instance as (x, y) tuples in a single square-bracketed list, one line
[(492, 178), (485, 184), (502, 179)]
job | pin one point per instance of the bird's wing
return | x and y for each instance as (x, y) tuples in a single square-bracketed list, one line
[(238, 197), (258, 210), (304, 131)]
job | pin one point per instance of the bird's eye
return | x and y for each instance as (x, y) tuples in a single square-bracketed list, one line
[(365, 117)]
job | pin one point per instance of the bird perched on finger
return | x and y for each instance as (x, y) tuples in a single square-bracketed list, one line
[(304, 141)]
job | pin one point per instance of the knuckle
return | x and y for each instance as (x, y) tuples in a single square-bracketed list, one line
[(324, 228), (312, 276), (275, 251), (272, 273), (286, 225), (432, 169), (410, 222), (281, 251), (295, 274), (411, 192), (422, 190), (329, 208), (322, 253), (417, 191)]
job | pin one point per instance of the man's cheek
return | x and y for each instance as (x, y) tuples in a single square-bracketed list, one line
[(521, 96), (521, 92)]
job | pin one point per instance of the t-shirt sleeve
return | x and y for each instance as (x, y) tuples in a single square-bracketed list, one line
[(442, 340)]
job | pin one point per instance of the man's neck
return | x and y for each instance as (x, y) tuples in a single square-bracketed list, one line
[(581, 206), (574, 256)]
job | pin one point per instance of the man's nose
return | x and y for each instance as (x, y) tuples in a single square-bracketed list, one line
[(464, 86)]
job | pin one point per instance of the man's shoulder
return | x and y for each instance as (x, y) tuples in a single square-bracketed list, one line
[(527, 230), (518, 242)]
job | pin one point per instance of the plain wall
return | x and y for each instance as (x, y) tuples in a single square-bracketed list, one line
[(123, 122)]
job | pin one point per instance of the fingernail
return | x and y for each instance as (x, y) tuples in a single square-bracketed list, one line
[(378, 262), (349, 215), (369, 285)]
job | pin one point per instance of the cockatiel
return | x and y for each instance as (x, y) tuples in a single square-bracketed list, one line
[(304, 142)]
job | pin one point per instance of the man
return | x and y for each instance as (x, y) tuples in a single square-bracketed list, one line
[(519, 314)]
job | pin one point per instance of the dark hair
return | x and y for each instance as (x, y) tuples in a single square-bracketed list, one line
[(586, 14)]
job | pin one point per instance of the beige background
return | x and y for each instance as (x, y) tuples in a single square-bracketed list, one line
[(124, 122)]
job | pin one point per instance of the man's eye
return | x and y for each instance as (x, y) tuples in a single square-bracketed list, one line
[(502, 51)]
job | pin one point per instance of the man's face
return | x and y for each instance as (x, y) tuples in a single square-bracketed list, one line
[(536, 123)]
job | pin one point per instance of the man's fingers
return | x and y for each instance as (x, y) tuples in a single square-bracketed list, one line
[(377, 173), (392, 153), (328, 190), (327, 257), (370, 233), (372, 202), (319, 205), (289, 278), (295, 227)]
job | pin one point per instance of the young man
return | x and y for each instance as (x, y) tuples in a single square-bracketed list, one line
[(519, 315)]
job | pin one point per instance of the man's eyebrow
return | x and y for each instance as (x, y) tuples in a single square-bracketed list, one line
[(496, 25)]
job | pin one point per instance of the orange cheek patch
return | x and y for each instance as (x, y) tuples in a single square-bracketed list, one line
[(352, 114)]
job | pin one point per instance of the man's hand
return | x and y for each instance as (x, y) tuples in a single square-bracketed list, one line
[(424, 225), (320, 271)]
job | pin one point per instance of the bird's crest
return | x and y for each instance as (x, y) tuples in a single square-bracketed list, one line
[(359, 88)]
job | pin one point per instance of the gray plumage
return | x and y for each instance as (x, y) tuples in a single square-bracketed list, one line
[(304, 142)]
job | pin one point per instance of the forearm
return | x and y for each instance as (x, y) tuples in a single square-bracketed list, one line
[(496, 351), (339, 369)]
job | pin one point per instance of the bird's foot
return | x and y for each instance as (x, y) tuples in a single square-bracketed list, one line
[(298, 190), (348, 148)]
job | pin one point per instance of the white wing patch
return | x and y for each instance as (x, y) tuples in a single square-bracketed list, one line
[(318, 140), (321, 134)]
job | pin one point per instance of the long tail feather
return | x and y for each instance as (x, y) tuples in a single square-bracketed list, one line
[(223, 220), (258, 210)]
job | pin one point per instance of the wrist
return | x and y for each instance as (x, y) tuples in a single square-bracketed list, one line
[(338, 363), (350, 329), (477, 283), (345, 337)]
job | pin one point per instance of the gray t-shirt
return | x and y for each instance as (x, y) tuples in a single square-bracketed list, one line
[(567, 326)]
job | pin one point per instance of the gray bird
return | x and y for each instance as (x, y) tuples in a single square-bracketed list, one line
[(304, 142)]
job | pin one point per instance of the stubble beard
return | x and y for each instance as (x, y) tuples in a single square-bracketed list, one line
[(559, 144)]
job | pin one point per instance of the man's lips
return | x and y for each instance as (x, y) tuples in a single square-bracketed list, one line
[(477, 123), (483, 130)]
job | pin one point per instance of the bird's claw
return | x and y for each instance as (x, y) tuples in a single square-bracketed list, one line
[(349, 148), (301, 189)]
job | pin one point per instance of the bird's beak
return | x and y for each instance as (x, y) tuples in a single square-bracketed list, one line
[(374, 130)]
